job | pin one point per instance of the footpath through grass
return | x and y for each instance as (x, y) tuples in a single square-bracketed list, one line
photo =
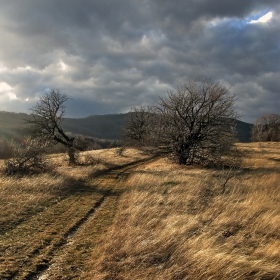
[(51, 221), (145, 220)]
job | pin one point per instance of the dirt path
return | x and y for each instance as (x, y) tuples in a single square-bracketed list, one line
[(56, 243)]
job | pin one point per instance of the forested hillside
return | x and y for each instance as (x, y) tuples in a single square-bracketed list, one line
[(98, 126)]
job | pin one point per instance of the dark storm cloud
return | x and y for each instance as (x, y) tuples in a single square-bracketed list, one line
[(111, 55)]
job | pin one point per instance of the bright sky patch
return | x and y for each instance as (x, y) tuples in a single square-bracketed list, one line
[(6, 92), (63, 66), (263, 19)]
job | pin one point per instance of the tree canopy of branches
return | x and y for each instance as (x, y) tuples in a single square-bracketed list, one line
[(137, 125), (267, 128), (194, 124), (46, 118), (28, 156)]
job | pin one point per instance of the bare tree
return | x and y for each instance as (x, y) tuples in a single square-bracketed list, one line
[(266, 128), (136, 130), (46, 119), (28, 156), (194, 124)]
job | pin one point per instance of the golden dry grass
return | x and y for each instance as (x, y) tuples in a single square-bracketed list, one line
[(22, 196), (39, 211), (176, 223), (172, 222)]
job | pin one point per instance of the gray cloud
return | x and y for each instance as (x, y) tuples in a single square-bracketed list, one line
[(111, 55)]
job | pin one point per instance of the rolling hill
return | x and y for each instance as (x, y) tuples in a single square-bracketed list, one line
[(98, 126)]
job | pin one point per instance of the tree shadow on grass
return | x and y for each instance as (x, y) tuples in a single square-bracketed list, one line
[(274, 159), (72, 187), (259, 170)]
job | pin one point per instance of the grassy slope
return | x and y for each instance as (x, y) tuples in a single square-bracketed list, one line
[(175, 223), (11, 125), (172, 222)]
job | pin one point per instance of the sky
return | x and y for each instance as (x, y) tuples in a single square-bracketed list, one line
[(111, 55)]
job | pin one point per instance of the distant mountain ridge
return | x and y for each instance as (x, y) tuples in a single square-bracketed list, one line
[(11, 124), (98, 126)]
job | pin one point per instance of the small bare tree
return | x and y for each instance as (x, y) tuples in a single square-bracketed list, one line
[(194, 124), (137, 127), (231, 168), (28, 156), (46, 119), (266, 128)]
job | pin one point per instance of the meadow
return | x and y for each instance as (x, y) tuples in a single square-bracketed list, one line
[(131, 217)]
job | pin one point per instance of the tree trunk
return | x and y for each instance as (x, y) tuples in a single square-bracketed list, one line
[(71, 154), (10, 168), (183, 158)]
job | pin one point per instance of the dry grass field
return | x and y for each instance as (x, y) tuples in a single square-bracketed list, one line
[(147, 220), (175, 223), (42, 213)]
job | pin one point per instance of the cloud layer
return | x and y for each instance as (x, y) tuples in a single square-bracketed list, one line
[(111, 55)]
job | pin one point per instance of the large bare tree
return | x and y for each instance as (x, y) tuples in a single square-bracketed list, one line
[(266, 128), (46, 118), (193, 124)]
